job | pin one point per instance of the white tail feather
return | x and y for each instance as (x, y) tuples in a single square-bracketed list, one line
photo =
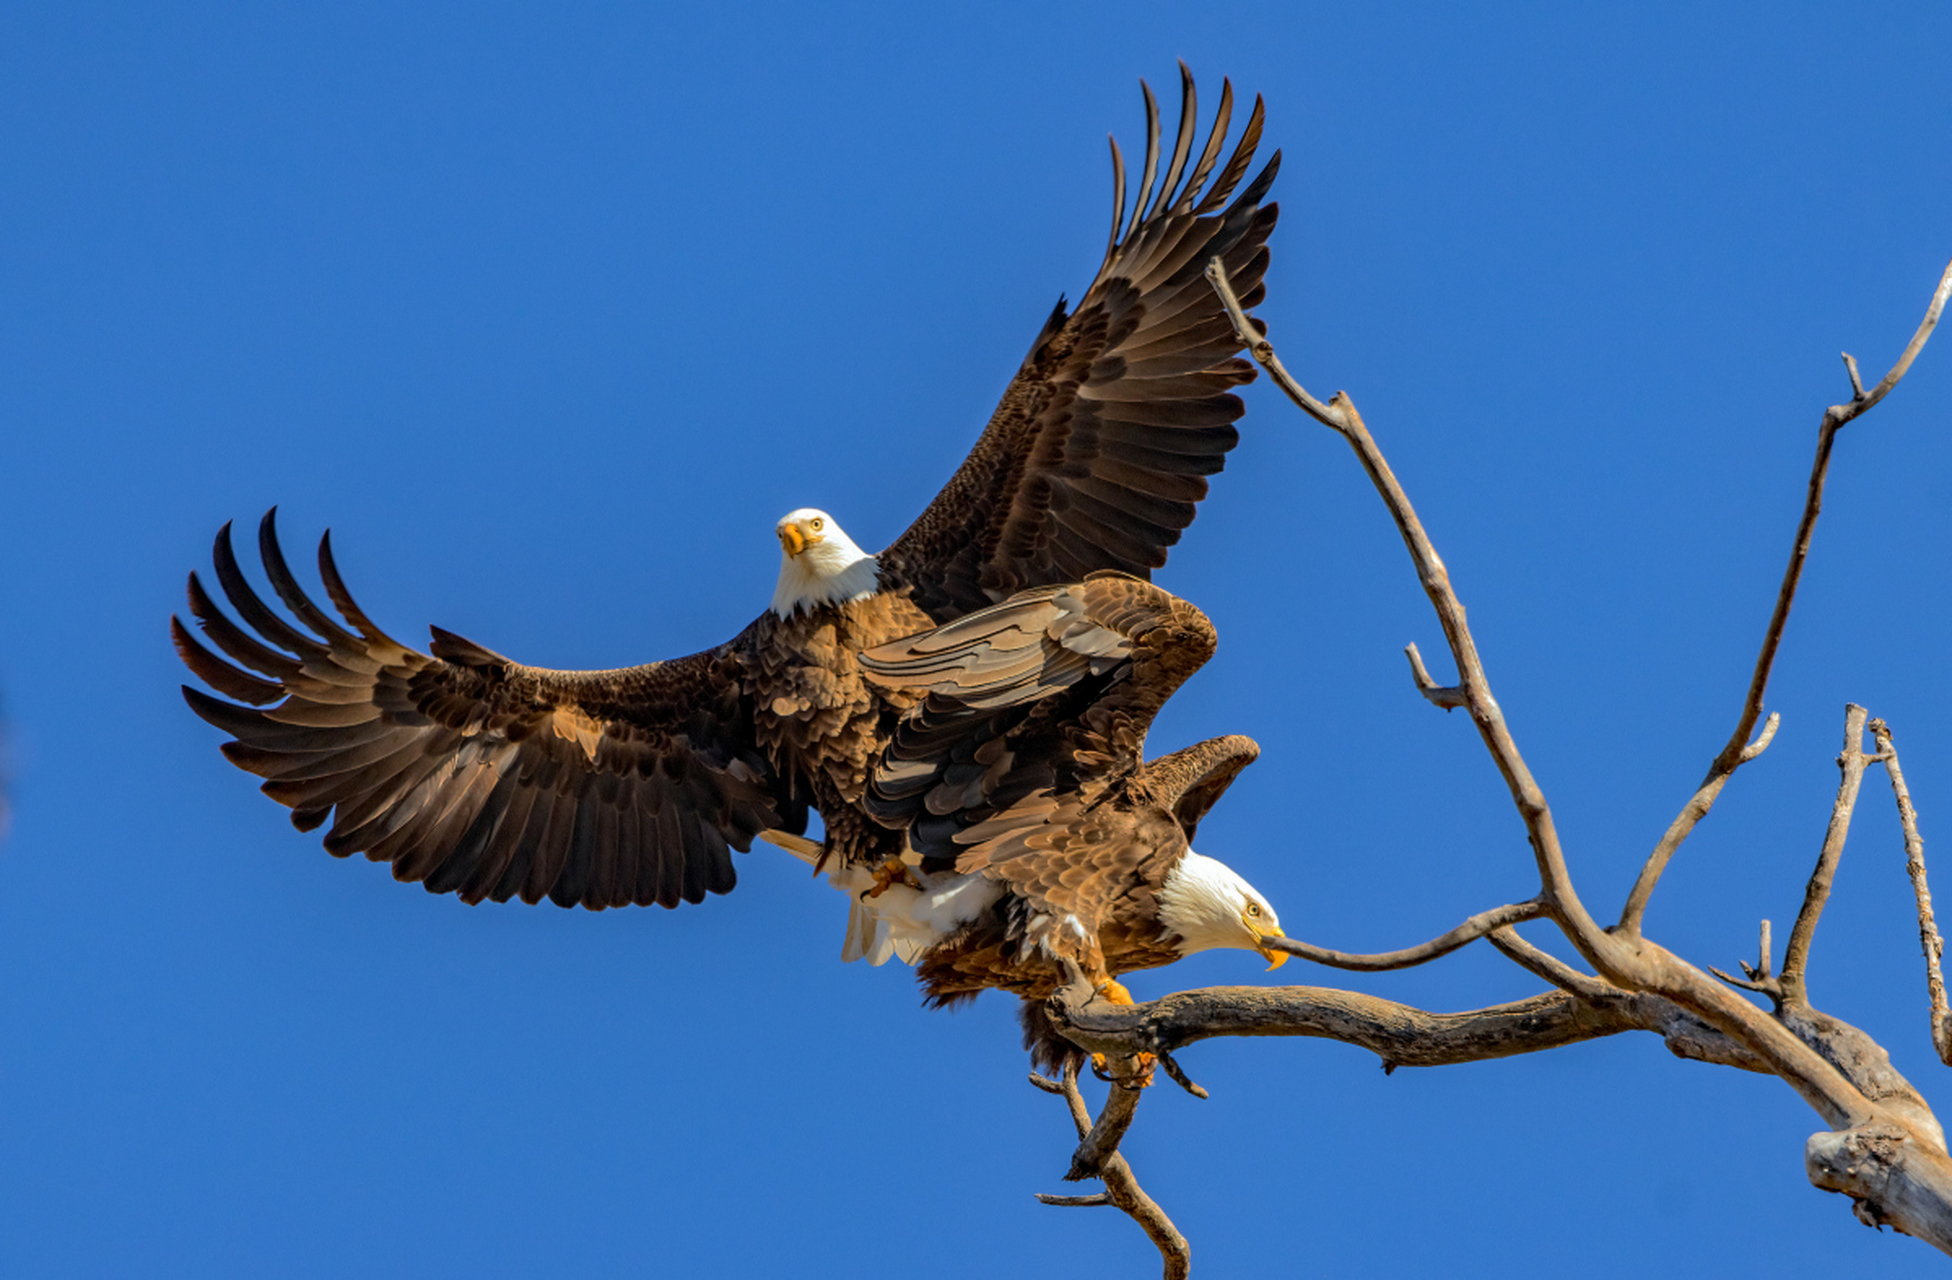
[(870, 936)]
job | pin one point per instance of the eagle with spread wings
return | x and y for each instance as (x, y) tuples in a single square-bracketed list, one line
[(491, 779)]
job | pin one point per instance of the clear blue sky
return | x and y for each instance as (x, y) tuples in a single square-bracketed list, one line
[(549, 311)]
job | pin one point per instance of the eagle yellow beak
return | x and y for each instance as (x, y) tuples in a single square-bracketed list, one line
[(1274, 958), (792, 539)]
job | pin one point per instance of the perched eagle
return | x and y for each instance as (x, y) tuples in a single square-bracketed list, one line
[(1034, 829), (481, 776)]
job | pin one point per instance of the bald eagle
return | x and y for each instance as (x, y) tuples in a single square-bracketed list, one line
[(1034, 831), (478, 775)]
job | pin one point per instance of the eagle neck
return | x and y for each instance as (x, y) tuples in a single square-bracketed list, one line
[(823, 575)]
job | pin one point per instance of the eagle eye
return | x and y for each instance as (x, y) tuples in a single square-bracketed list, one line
[(1254, 909), (817, 523)]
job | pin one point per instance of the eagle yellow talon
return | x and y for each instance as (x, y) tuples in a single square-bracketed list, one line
[(1143, 1080), (1114, 992), (889, 874)]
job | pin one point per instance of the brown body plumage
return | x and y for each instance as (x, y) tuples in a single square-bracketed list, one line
[(491, 779), (1024, 763)]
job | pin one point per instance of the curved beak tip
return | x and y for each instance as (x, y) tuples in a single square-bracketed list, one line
[(1275, 959)]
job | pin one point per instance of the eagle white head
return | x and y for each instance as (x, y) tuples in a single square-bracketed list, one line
[(1206, 903), (819, 564)]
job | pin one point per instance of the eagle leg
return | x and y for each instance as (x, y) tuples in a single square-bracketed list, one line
[(893, 872), (1113, 992)]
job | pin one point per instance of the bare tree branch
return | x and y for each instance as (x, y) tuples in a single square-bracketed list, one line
[(1627, 961), (1179, 1076), (1863, 402), (1796, 954), (1479, 925), (1734, 754), (1473, 686), (1252, 333), (1864, 1062), (1928, 935), (1399, 1034), (1892, 1179), (1834, 418), (1756, 977), (1555, 971), (1122, 1190), (1683, 826), (1622, 958), (1100, 1143)]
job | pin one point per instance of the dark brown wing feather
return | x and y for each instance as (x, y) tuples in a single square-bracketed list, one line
[(1022, 763), (1034, 708), (1190, 781), (475, 774), (1101, 445)]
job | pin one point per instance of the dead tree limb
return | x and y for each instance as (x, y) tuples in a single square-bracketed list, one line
[(1473, 688), (1734, 754), (1885, 1148), (1399, 1034), (1122, 1190), (1480, 925), (1928, 935), (1796, 955)]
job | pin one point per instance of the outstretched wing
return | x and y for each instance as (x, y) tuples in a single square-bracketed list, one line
[(475, 774), (1033, 708), (1101, 445)]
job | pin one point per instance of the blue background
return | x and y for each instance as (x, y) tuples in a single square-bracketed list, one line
[(550, 311)]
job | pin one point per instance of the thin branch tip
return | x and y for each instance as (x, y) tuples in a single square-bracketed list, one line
[(1758, 985), (1100, 1200), (1448, 697), (1763, 739), (1856, 381), (1180, 1078)]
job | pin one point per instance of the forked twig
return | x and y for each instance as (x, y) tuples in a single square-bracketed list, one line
[(1101, 1141), (1757, 977), (1449, 697), (1122, 1190)]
